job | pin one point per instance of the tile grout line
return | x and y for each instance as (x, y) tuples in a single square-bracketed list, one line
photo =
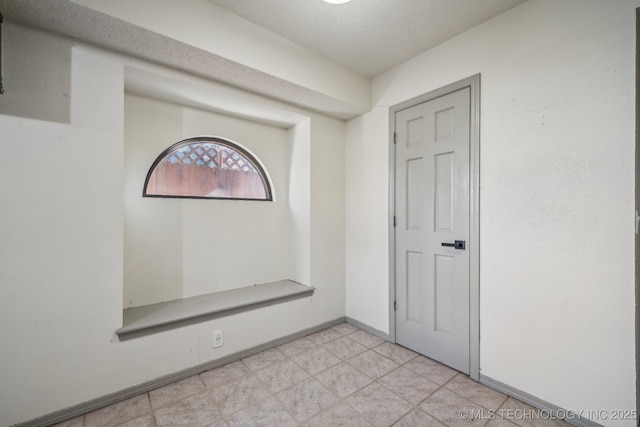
[(337, 399)]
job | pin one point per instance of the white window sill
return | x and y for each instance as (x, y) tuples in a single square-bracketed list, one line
[(149, 319)]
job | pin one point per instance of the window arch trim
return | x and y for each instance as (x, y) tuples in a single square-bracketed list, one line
[(244, 152)]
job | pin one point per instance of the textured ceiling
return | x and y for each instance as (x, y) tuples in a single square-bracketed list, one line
[(368, 36), (69, 19)]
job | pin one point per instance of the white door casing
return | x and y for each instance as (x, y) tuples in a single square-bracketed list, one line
[(435, 201)]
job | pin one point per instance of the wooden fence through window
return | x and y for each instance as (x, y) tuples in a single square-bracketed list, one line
[(192, 180)]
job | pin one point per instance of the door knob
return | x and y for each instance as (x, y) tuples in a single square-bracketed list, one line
[(458, 244)]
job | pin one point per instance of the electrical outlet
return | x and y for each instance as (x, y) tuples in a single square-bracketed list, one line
[(217, 338)]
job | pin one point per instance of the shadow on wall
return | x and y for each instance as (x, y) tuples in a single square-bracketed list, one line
[(36, 75)]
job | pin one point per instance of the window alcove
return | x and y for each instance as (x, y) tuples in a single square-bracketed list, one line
[(202, 254)]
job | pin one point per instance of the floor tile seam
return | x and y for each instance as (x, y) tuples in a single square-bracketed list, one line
[(441, 420), (417, 373), (359, 370), (285, 407), (150, 406), (360, 388), (245, 365), (343, 334), (477, 403), (400, 397), (351, 333), (435, 417), (467, 399), (153, 408), (368, 347), (305, 350), (417, 405), (283, 404), (407, 361), (332, 353), (340, 357), (325, 369), (224, 417), (211, 387), (269, 349), (311, 349), (319, 344), (389, 359), (314, 416), (153, 417), (375, 352), (505, 401), (152, 411), (383, 343), (472, 401), (514, 421), (207, 391), (268, 388), (126, 420), (426, 377), (311, 374), (424, 398), (374, 379), (210, 391), (328, 329), (417, 409), (322, 346), (219, 405), (227, 417), (401, 417), (363, 416), (296, 354), (380, 384), (250, 405), (329, 340)]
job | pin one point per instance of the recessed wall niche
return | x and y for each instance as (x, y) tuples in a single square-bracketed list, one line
[(178, 248)]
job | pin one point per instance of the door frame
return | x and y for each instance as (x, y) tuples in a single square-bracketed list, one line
[(473, 246), (637, 206)]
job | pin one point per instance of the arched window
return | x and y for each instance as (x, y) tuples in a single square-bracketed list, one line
[(207, 168)]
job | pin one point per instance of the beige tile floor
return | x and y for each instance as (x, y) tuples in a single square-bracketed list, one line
[(342, 376)]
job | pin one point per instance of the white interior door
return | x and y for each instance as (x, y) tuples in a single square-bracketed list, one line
[(432, 208)]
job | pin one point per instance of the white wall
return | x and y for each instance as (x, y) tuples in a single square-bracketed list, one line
[(180, 248), (27, 91), (367, 216), (61, 257), (557, 181), (327, 205), (300, 202)]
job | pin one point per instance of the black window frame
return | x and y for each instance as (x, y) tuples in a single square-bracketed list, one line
[(266, 182)]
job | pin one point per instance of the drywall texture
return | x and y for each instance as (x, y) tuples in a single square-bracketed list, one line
[(176, 248), (299, 137), (367, 216), (27, 91), (217, 31), (61, 257), (368, 37), (556, 202)]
